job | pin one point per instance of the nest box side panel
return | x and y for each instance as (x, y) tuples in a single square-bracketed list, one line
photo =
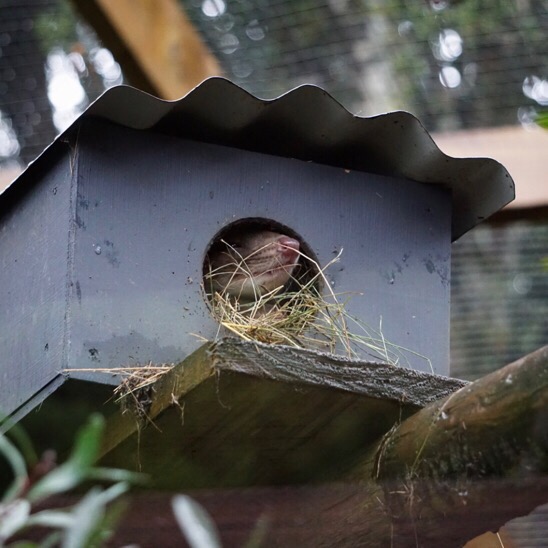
[(149, 204), (35, 224)]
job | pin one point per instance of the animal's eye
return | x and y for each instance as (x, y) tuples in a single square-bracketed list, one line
[(235, 247)]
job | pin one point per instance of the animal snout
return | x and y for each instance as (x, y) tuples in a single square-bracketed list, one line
[(289, 247)]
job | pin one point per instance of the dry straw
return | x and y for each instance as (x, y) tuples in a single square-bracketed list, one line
[(136, 383), (300, 317), (303, 317)]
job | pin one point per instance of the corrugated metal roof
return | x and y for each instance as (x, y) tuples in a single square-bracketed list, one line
[(308, 124)]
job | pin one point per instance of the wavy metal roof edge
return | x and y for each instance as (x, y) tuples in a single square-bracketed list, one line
[(480, 186)]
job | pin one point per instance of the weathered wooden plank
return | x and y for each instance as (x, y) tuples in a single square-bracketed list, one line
[(372, 379), (235, 429), (383, 386), (161, 50), (242, 413)]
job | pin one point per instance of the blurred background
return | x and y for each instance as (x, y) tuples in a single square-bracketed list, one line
[(474, 72)]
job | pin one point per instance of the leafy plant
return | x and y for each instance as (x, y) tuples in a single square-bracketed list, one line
[(195, 523), (86, 523), (199, 529), (303, 318)]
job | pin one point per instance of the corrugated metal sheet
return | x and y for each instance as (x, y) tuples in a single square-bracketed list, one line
[(307, 123)]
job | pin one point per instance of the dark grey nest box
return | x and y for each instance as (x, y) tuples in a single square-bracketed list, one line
[(103, 237)]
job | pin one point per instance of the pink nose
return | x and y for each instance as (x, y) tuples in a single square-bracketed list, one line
[(289, 246)]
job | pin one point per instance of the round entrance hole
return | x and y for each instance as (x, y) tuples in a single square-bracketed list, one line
[(257, 260)]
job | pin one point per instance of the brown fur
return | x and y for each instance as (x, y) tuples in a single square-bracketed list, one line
[(252, 264)]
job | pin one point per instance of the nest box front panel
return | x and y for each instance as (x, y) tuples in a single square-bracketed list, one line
[(149, 205)]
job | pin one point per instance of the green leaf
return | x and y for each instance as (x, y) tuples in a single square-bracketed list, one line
[(61, 479), (51, 518), (79, 465), (116, 475), (88, 443), (13, 517), (18, 466), (89, 514), (51, 541), (195, 523), (21, 439), (258, 534)]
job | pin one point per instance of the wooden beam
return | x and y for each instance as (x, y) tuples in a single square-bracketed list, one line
[(155, 43), (444, 460), (313, 515), (493, 426), (259, 375)]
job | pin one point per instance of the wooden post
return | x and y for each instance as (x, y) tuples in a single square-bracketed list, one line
[(484, 445), (160, 50)]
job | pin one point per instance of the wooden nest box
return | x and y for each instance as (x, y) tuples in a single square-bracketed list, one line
[(103, 237)]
